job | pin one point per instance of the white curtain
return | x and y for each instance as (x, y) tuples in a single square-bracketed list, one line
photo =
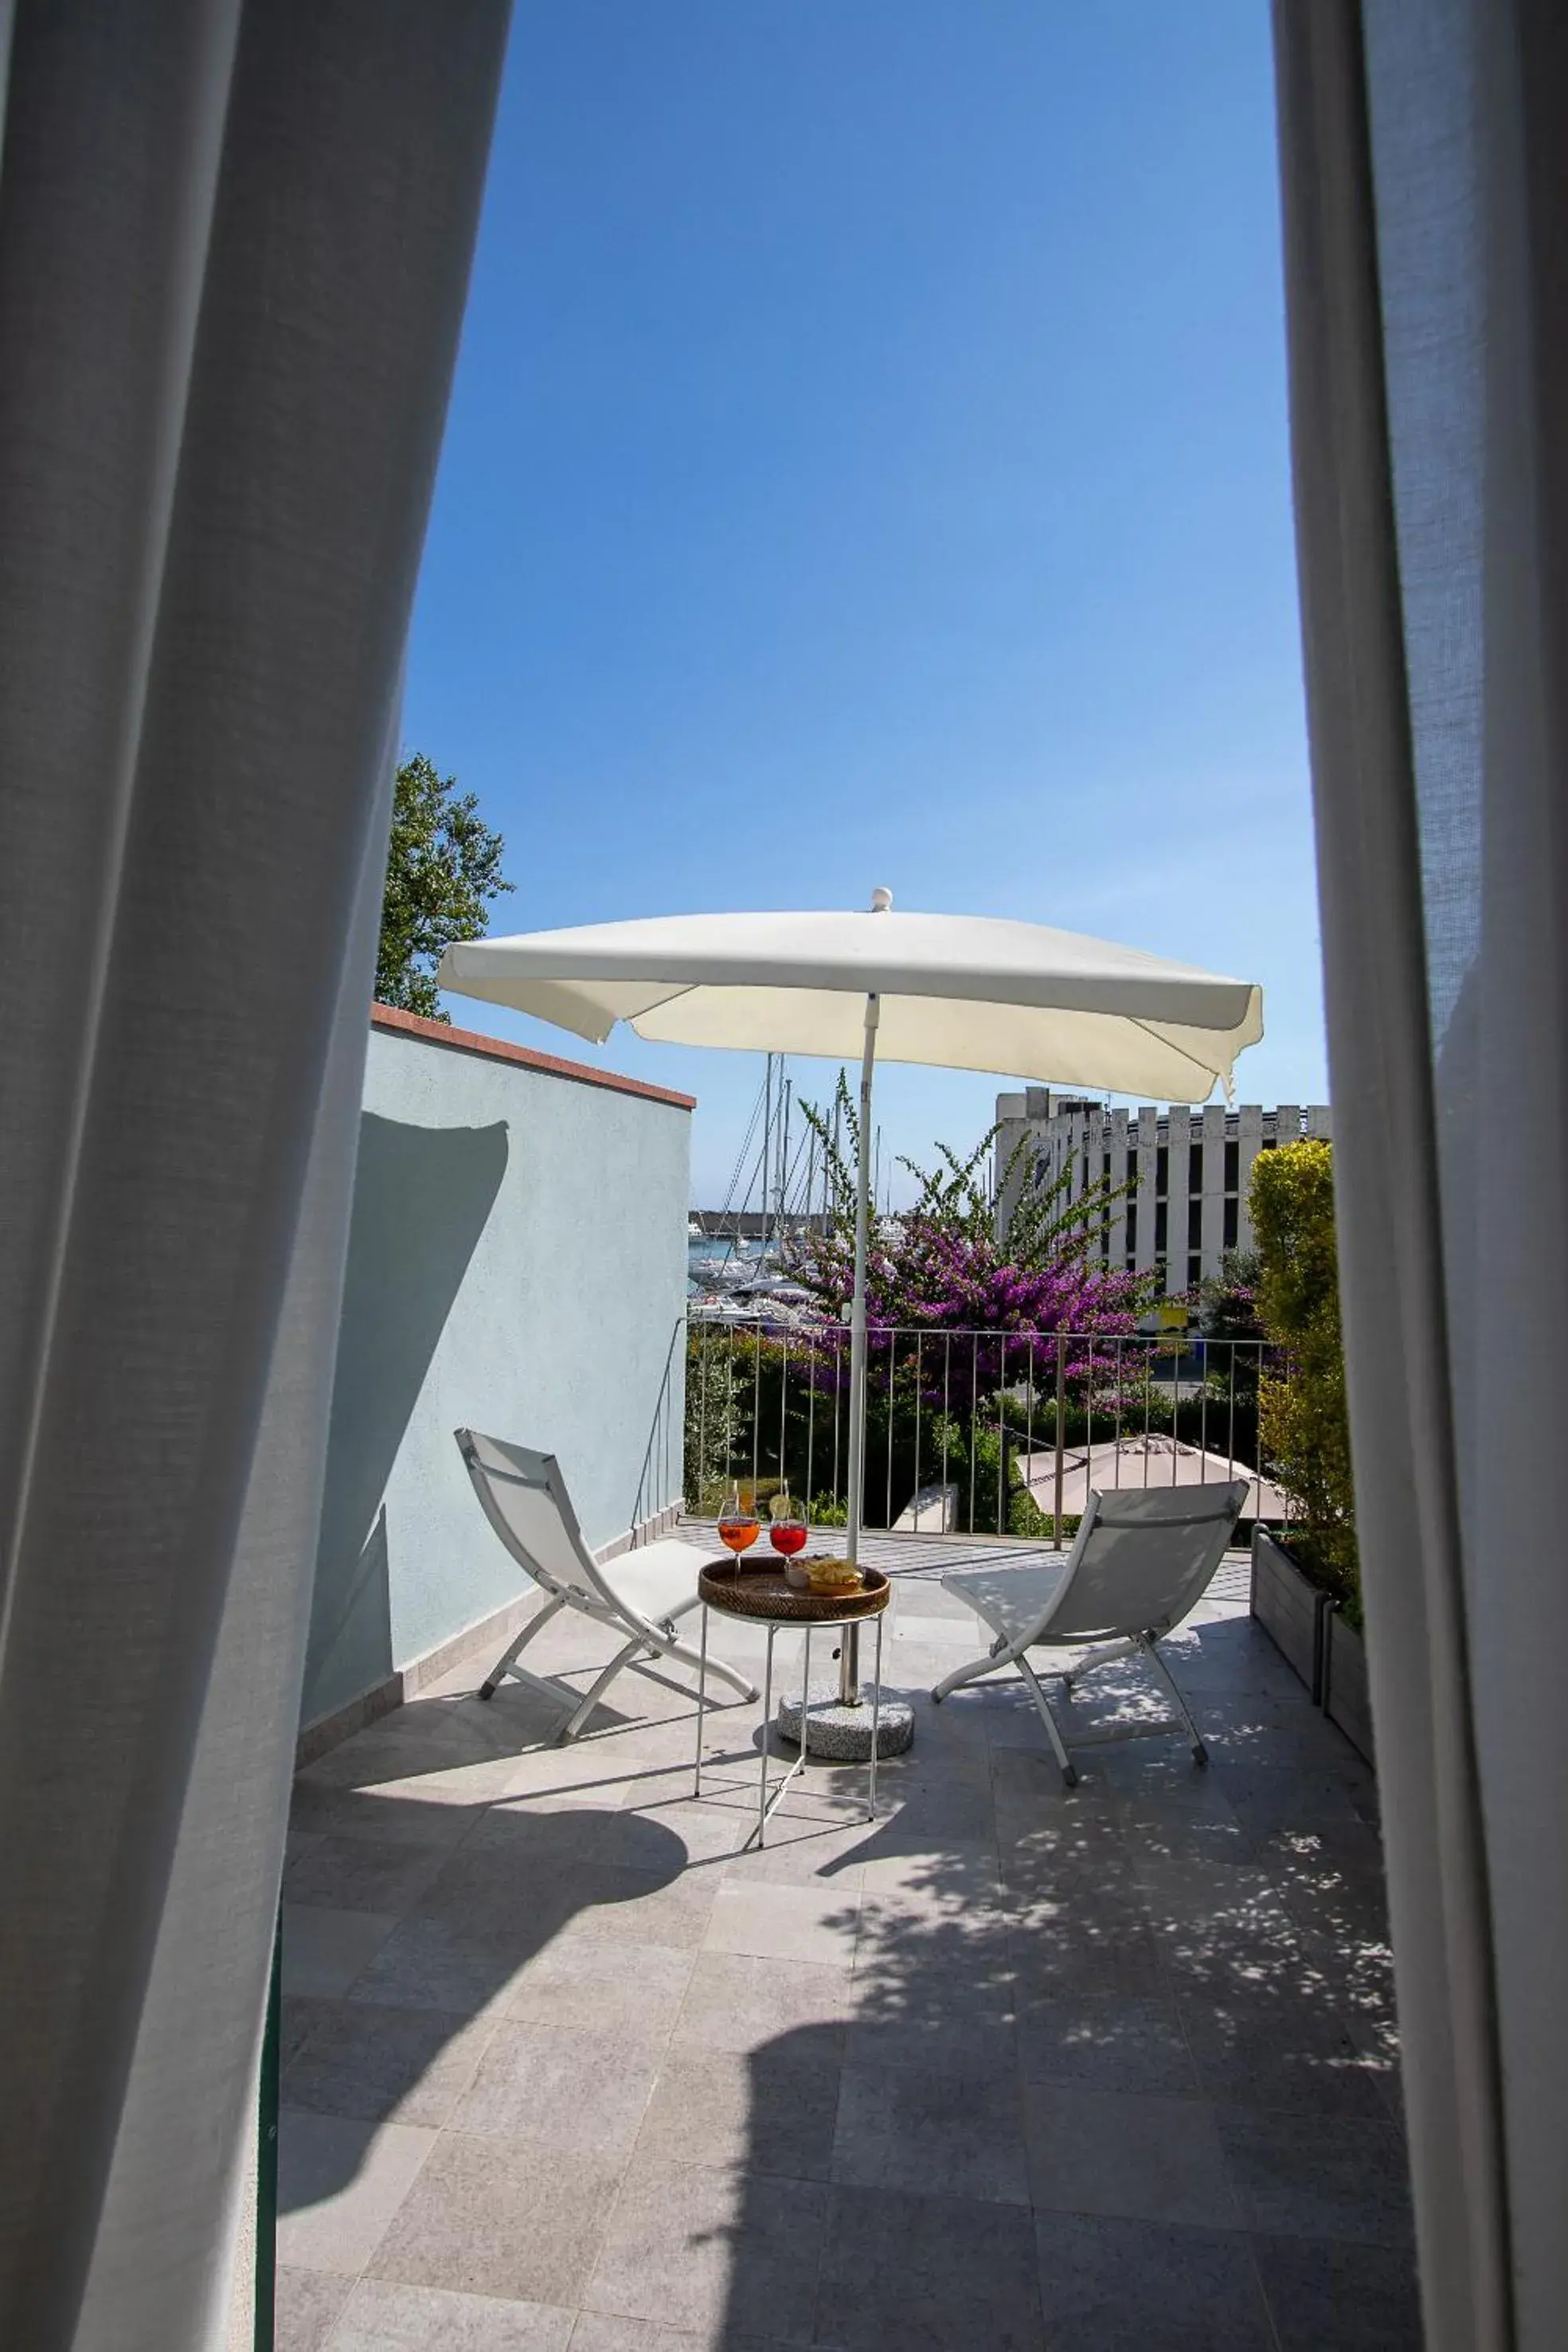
[(1426, 266), (234, 249)]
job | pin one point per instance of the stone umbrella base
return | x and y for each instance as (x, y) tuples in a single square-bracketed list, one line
[(841, 1735)]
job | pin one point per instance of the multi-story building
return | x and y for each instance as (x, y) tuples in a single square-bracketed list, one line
[(1180, 1175)]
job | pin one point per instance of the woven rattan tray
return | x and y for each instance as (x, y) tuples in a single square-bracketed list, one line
[(748, 1588)]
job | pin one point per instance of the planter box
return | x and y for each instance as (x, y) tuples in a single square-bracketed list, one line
[(1347, 1699), (1292, 1611)]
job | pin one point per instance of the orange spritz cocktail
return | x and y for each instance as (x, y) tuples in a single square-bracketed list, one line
[(737, 1522)]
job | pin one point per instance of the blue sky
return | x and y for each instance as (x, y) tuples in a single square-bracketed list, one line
[(868, 464)]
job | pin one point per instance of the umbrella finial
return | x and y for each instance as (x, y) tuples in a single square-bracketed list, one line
[(881, 900)]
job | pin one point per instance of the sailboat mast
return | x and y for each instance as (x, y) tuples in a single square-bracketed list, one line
[(767, 1162)]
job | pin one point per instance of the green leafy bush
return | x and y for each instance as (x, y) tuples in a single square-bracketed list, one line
[(1026, 1518), (1303, 1427)]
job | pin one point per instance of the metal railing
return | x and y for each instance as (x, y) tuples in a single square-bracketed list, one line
[(661, 1478), (971, 1432)]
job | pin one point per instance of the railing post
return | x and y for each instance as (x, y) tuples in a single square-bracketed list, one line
[(919, 1377), (811, 1359), (1060, 1435), (755, 1408), (1121, 1376), (973, 1420), (1002, 1437), (892, 1417), (838, 1401), (652, 1496)]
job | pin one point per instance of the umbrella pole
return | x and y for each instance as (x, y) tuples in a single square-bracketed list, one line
[(849, 1652)]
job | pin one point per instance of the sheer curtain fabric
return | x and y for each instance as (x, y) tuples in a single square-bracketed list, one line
[(234, 249), (1426, 223)]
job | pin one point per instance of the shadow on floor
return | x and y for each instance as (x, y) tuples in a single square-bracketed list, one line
[(519, 1883), (1012, 2067)]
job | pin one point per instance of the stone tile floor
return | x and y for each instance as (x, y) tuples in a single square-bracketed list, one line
[(568, 2069)]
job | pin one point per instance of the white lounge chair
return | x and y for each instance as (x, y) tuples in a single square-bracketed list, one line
[(642, 1593), (1142, 1559)]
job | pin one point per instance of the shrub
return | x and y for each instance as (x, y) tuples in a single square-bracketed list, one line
[(712, 1422), (1304, 1432), (948, 1265), (1026, 1518)]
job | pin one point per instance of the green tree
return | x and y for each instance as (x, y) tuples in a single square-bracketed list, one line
[(443, 870)]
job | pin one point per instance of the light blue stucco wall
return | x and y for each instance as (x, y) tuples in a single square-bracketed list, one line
[(516, 1263)]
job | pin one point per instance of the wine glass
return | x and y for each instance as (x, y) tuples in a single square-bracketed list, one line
[(787, 1524), (737, 1522)]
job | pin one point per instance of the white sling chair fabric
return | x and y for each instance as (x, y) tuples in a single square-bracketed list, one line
[(1426, 280), (233, 247), (643, 1592), (1140, 1562)]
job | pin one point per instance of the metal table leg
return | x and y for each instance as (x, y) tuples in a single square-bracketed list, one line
[(702, 1701), (766, 1734), (771, 1794), (772, 1790), (875, 1723), (805, 1697)]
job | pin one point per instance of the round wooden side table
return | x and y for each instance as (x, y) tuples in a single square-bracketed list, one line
[(759, 1591)]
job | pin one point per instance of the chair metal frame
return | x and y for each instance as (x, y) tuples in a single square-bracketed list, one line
[(1124, 1511), (595, 1596)]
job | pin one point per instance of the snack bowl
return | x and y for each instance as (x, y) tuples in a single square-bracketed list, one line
[(831, 1576)]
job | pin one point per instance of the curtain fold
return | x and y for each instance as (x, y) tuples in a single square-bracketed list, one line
[(1425, 214), (233, 250)]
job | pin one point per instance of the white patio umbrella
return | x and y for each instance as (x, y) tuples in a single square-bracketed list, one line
[(961, 991)]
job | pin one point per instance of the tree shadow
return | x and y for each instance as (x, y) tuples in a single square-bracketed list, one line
[(1160, 1941)]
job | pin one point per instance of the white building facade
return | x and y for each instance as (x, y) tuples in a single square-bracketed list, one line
[(1185, 1171)]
